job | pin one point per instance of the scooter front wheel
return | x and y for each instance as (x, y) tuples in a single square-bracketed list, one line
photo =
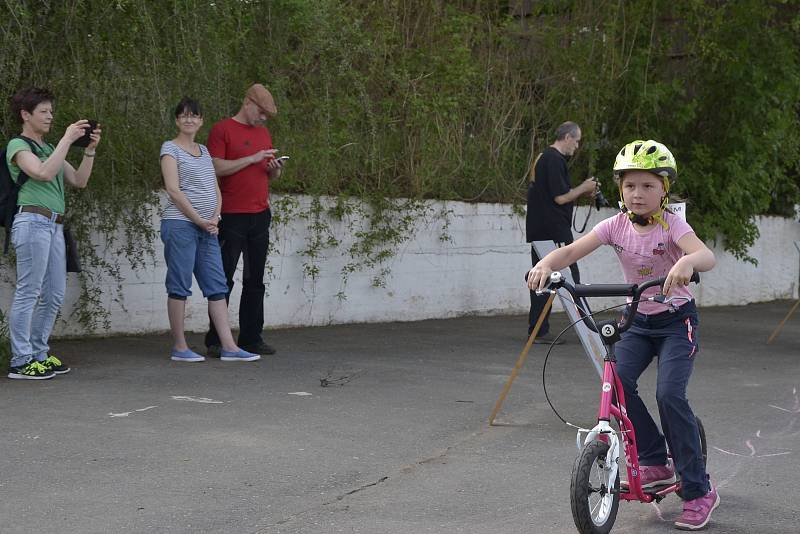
[(594, 496)]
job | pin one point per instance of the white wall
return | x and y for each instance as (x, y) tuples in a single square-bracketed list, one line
[(479, 270)]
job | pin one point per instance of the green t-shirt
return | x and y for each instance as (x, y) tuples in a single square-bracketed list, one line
[(48, 195)]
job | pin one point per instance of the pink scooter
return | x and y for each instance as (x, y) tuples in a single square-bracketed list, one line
[(595, 489)]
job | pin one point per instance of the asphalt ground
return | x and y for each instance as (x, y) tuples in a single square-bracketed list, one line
[(398, 441)]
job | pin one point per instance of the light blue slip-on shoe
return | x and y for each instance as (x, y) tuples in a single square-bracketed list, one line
[(187, 355), (238, 356)]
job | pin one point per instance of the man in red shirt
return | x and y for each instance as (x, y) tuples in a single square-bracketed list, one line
[(244, 160)]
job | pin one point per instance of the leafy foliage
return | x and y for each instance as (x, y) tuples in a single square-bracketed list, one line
[(419, 100)]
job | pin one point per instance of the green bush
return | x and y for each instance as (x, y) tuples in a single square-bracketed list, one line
[(425, 99)]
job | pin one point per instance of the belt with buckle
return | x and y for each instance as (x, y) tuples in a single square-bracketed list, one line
[(42, 211)]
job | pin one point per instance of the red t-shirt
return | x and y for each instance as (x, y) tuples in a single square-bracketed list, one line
[(245, 191)]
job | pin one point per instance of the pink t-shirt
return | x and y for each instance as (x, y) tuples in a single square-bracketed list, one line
[(647, 256)]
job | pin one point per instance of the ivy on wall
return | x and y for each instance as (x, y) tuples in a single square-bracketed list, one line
[(416, 100)]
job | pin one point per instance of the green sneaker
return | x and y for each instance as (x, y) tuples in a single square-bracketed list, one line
[(54, 364), (32, 370)]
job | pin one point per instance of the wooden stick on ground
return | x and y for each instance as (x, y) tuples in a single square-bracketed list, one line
[(778, 328), (522, 357)]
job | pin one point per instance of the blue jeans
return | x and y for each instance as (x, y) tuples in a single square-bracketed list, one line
[(672, 337), (41, 283), (190, 249)]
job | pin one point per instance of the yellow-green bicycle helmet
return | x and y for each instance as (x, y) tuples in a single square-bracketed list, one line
[(650, 156)]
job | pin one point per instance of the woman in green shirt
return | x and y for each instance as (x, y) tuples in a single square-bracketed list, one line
[(38, 233)]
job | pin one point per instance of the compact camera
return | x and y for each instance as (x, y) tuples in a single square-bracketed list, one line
[(600, 200)]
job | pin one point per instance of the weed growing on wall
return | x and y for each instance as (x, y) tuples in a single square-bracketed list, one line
[(386, 105)]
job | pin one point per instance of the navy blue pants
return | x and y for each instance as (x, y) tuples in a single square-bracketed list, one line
[(672, 338), (245, 235)]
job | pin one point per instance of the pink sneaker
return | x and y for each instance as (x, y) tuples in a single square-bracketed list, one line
[(697, 512), (657, 475)]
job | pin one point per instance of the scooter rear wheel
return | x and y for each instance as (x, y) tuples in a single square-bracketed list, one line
[(703, 447), (703, 444)]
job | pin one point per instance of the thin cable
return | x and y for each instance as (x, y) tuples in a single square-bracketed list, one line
[(547, 356)]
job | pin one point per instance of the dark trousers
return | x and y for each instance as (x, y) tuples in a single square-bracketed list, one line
[(247, 235), (672, 337), (538, 301)]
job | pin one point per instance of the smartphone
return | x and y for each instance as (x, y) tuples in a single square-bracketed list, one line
[(84, 141)]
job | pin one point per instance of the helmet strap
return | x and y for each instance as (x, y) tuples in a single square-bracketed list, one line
[(641, 220)]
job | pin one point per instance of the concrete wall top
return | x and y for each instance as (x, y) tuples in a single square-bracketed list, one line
[(470, 262)]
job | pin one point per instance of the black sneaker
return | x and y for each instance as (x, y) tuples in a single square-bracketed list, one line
[(54, 364), (32, 370), (259, 348)]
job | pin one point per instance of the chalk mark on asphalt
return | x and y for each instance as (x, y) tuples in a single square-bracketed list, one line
[(126, 414), (202, 400), (750, 447), (752, 454), (658, 510), (793, 409)]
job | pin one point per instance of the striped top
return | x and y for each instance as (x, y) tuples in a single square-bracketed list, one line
[(196, 179)]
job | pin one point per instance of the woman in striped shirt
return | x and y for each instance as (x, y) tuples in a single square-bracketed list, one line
[(189, 228)]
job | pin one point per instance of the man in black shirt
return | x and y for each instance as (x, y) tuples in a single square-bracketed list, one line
[(550, 202)]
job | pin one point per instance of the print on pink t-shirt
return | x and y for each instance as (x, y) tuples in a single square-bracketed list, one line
[(647, 256)]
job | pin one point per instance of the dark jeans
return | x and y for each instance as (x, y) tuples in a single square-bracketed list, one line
[(538, 301), (672, 338), (247, 235)]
